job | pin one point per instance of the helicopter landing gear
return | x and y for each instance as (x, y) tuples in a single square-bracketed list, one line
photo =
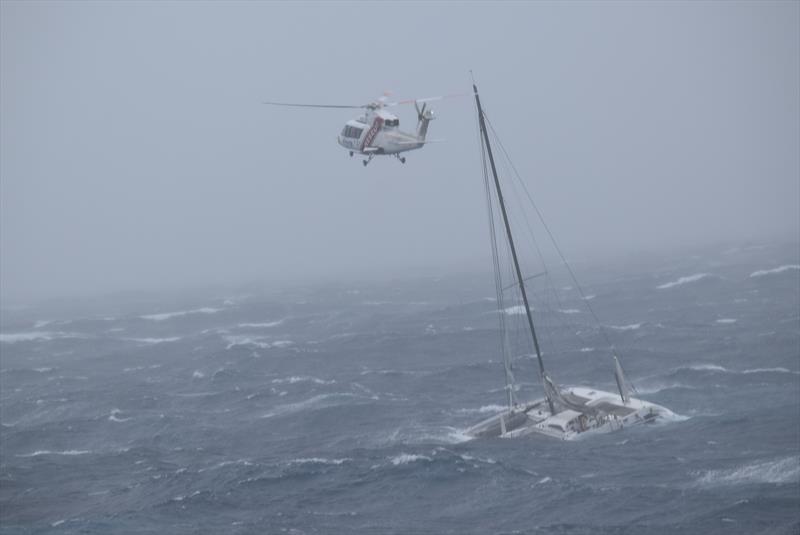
[(401, 158), (351, 154), (365, 162)]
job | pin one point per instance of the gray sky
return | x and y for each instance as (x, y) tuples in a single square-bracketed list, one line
[(135, 152)]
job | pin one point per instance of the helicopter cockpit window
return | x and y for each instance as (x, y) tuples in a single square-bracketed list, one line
[(352, 131)]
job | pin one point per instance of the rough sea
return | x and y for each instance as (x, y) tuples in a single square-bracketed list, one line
[(341, 408)]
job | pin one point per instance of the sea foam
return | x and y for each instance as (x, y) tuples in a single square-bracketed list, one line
[(781, 269), (167, 315), (405, 458), (786, 470), (684, 280)]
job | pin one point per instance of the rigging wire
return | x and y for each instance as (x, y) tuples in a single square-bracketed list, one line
[(550, 294), (498, 282), (601, 328), (552, 238)]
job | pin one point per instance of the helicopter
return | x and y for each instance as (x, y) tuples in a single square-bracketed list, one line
[(377, 132)]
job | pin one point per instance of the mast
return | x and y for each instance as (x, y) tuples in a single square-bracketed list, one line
[(520, 279)]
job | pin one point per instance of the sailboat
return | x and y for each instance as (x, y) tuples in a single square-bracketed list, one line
[(564, 413)]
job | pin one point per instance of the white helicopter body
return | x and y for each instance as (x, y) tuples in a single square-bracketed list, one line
[(377, 132)]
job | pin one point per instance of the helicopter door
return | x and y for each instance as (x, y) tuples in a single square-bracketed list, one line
[(372, 132)]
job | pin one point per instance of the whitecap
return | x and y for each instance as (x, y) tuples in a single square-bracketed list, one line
[(154, 340), (48, 452), (658, 387), (587, 349), (320, 460), (405, 458), (786, 470), (781, 269), (518, 309), (631, 327), (243, 462), (708, 367), (167, 315), (493, 409), (570, 311), (257, 341), (198, 374), (32, 336), (113, 416), (771, 370), (260, 325), (684, 280), (469, 458), (306, 404), (303, 379), (726, 320)]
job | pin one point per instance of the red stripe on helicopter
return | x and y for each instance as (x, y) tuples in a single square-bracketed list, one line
[(372, 132)]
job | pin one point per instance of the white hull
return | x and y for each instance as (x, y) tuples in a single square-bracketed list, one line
[(590, 411)]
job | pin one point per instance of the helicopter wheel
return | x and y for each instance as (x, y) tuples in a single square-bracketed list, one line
[(402, 160), (365, 162), (351, 154)]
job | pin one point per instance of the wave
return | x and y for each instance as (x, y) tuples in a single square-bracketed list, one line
[(113, 416), (154, 340), (770, 370), (570, 311), (320, 460), (631, 327), (140, 368), (785, 470), (32, 336), (586, 349), (310, 403), (781, 269), (684, 280), (470, 458), (726, 321), (708, 367), (722, 369), (511, 311), (243, 462), (405, 458), (48, 452), (494, 409), (257, 341), (167, 315), (260, 325), (660, 387), (303, 379)]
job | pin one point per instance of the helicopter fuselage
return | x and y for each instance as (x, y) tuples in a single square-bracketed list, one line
[(377, 132)]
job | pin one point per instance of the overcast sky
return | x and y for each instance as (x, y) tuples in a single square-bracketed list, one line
[(135, 152)]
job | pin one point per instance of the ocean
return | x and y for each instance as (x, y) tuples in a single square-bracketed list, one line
[(341, 408)]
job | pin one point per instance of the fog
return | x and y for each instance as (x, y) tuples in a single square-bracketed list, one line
[(136, 153)]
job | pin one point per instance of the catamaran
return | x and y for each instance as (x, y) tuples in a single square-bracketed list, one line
[(564, 412)]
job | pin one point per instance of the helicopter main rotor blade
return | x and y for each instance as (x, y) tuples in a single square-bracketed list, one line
[(427, 99), (312, 105)]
